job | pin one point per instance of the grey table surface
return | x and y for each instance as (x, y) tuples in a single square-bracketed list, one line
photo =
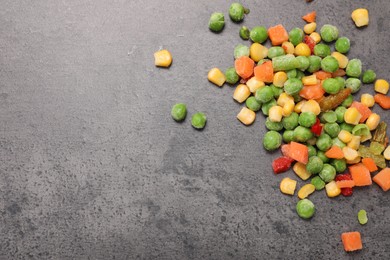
[(93, 167)]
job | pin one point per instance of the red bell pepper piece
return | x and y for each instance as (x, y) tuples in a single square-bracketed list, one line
[(281, 164), (317, 128)]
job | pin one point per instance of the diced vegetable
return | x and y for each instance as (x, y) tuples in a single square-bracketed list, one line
[(332, 190), (300, 170), (370, 164), (364, 111), (362, 217), (382, 100), (306, 190), (381, 86), (360, 17), (310, 17), (352, 241), (277, 34), (360, 174), (383, 179), (299, 152), (332, 101), (162, 58), (281, 164), (264, 72), (246, 116), (241, 93), (335, 152), (244, 66), (287, 186), (345, 184)]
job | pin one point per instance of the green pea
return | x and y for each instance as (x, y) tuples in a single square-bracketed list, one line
[(264, 94), (332, 129), (276, 90), (198, 120), (340, 111), (288, 136), (342, 45), (322, 50), (348, 101), (312, 150), (361, 130), (322, 156), (291, 121), (241, 50), (324, 142), (272, 140), (291, 73), (275, 52), (354, 84), (293, 86), (328, 173), (285, 62), (231, 76), (236, 12), (362, 217), (329, 64), (276, 126), (328, 117), (266, 106), (346, 127), (296, 36), (315, 63), (314, 165), (258, 34), (179, 112), (302, 134), (340, 165), (337, 142), (331, 85), (253, 104), (244, 33), (354, 68), (341, 81), (369, 76), (216, 22), (329, 33), (318, 183), (304, 62), (300, 74), (307, 119), (305, 208)]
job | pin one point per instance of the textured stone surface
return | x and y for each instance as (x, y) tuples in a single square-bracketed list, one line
[(93, 167)]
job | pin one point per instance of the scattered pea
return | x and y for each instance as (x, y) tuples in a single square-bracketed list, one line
[(314, 165), (293, 86), (322, 50), (346, 127), (342, 45), (315, 63), (354, 84), (198, 120), (322, 156), (291, 121), (304, 62), (339, 164), (288, 136), (354, 68), (291, 73), (305, 208), (276, 90), (264, 94), (369, 76), (329, 64), (231, 76), (216, 22), (328, 117), (362, 217), (272, 140), (332, 129), (302, 134), (236, 12), (329, 33), (241, 50), (348, 101), (296, 36), (307, 119), (266, 106), (324, 142), (318, 183), (331, 85), (179, 112), (328, 173), (340, 111), (258, 34), (253, 104), (275, 126), (244, 33), (312, 151)]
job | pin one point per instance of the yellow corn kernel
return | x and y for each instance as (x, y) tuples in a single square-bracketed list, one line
[(288, 47), (310, 27), (355, 142), (284, 98), (355, 161), (373, 121), (311, 106), (315, 36), (349, 153), (386, 153), (360, 17), (341, 58), (298, 106), (368, 100), (258, 51), (279, 78), (216, 76), (287, 186), (381, 86), (288, 108), (300, 170), (306, 190), (246, 116), (275, 114), (352, 116), (345, 136), (332, 190), (162, 58), (310, 80), (365, 137), (302, 49), (241, 93), (254, 84)]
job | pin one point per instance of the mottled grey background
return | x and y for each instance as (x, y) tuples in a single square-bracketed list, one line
[(93, 167)]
